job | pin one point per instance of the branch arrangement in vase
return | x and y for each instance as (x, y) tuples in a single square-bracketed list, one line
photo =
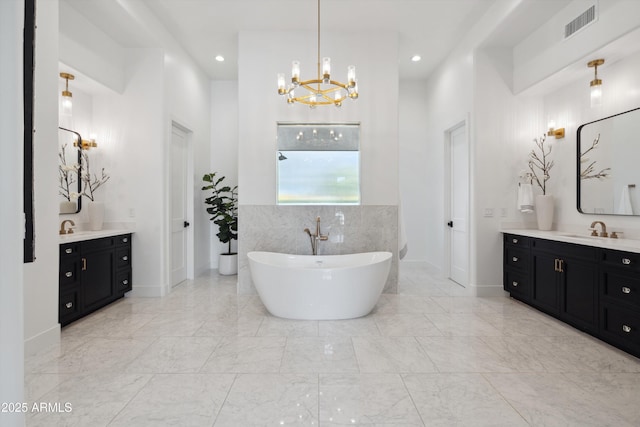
[(91, 183), (539, 163), (66, 175)]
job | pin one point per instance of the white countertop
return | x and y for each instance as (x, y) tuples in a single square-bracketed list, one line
[(621, 244), (78, 236)]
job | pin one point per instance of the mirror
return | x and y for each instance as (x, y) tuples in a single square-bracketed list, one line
[(608, 173), (69, 171), (318, 164)]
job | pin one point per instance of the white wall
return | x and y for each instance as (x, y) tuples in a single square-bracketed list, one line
[(11, 212), (414, 173), (41, 277)]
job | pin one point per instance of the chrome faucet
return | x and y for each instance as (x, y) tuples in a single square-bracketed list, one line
[(69, 230), (316, 237), (594, 232)]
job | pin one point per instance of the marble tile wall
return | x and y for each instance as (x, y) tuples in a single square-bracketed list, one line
[(351, 229)]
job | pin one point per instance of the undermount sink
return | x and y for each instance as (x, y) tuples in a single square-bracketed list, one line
[(582, 236)]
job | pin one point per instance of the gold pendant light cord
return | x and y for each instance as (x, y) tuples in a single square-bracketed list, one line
[(318, 44)]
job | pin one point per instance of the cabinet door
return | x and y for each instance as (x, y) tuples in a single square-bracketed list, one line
[(545, 282), (579, 289), (97, 279)]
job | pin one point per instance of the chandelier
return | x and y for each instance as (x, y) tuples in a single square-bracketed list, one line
[(321, 90)]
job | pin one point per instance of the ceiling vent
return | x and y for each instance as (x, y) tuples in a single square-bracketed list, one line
[(587, 17)]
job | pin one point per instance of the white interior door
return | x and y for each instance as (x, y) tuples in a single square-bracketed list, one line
[(179, 221), (459, 209)]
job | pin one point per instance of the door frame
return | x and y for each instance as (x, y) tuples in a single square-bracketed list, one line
[(447, 199), (190, 250)]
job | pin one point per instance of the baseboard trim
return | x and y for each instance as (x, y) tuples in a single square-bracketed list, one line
[(42, 341), (487, 291), (146, 292)]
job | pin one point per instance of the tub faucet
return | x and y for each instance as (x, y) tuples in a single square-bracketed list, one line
[(69, 230), (316, 237), (603, 233)]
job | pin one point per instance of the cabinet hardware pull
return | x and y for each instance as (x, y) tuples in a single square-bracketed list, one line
[(514, 259), (84, 264), (626, 290), (515, 240), (561, 266), (125, 282), (515, 284), (555, 265), (626, 328), (69, 305), (125, 239), (68, 250), (626, 261), (68, 274), (125, 258)]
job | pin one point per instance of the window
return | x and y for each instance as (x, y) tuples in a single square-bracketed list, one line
[(318, 164)]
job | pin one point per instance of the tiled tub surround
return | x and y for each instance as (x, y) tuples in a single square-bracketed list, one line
[(351, 229)]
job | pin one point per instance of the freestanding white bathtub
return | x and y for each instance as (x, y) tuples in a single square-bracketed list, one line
[(319, 287)]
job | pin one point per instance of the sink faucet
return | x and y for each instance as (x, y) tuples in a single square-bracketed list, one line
[(69, 230), (603, 233), (316, 237)]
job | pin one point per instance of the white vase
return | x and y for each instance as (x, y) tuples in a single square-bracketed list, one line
[(228, 264), (544, 211), (68, 207), (96, 215)]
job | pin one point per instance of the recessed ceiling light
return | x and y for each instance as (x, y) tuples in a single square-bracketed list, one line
[(416, 58), (220, 58)]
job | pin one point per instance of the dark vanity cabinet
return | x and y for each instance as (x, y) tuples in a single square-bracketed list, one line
[(93, 273), (593, 289)]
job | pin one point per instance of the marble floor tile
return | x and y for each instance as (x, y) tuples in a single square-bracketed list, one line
[(246, 355), (553, 400), (277, 327), (460, 400), (185, 400), (271, 400), (366, 399), (463, 354), (430, 355), (406, 325), (391, 355), (174, 355), (463, 325), (91, 400), (319, 355), (364, 326)]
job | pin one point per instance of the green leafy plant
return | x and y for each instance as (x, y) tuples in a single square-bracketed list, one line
[(223, 207)]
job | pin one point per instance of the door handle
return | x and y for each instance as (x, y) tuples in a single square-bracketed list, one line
[(450, 224), (186, 224)]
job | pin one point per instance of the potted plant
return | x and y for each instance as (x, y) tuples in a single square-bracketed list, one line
[(223, 208)]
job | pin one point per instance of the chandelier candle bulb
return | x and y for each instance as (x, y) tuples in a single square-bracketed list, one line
[(295, 72), (326, 69), (281, 84), (351, 75)]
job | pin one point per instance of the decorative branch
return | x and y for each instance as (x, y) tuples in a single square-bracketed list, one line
[(66, 175), (540, 162), (91, 184), (589, 171)]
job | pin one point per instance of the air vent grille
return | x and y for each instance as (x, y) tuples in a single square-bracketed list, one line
[(586, 18)]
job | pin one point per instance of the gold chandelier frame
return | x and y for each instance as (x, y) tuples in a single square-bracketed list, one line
[(321, 90)]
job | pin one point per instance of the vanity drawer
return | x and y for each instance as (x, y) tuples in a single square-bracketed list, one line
[(623, 260), (69, 249), (69, 308), (516, 241), (125, 239), (516, 258), (622, 324), (123, 257), (516, 283), (621, 287), (69, 272), (123, 282)]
